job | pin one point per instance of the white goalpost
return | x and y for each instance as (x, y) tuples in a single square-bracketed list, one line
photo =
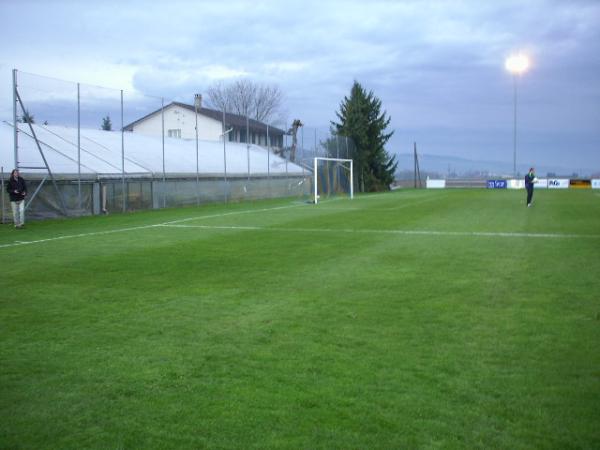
[(332, 177)]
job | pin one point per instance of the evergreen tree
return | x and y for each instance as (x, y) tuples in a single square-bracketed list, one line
[(106, 124), (361, 120), (27, 117)]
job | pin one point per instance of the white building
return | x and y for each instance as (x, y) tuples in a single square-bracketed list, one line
[(180, 122)]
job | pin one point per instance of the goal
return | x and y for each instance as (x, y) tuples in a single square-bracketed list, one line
[(332, 177)]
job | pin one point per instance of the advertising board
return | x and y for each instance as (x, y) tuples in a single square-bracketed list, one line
[(436, 184), (497, 184), (580, 184), (558, 183), (596, 184), (516, 184)]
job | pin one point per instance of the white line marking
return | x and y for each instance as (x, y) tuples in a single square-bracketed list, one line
[(399, 232), (70, 236), (176, 223), (142, 227), (232, 213), (403, 204)]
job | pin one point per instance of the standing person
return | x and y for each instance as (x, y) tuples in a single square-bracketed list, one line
[(17, 190), (529, 182)]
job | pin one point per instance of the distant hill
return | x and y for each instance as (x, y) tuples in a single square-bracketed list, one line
[(456, 167)]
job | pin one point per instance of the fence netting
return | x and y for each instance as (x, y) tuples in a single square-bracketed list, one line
[(74, 150)]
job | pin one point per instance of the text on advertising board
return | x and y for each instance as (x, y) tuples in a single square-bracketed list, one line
[(496, 184)]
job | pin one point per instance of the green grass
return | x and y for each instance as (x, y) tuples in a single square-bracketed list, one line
[(259, 325)]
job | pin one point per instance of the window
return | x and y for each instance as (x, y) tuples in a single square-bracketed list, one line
[(175, 133)]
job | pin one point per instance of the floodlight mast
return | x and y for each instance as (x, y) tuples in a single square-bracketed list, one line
[(517, 65)]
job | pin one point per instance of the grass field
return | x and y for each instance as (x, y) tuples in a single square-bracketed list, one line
[(413, 319)]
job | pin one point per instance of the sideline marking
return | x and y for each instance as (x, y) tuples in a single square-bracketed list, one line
[(247, 211), (399, 232), (176, 223), (70, 236), (141, 227)]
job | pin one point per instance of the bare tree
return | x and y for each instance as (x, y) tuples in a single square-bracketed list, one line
[(244, 97), (219, 97), (268, 103)]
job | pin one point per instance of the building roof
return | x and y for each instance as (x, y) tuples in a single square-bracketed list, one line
[(231, 119)]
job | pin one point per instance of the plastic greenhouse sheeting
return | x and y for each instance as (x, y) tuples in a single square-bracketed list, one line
[(101, 153)]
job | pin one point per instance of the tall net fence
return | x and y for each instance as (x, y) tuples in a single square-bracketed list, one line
[(313, 142), (73, 144)]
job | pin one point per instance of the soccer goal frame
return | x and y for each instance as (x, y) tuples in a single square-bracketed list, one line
[(344, 164)]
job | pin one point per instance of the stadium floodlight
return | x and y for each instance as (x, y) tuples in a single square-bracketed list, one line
[(517, 65), (197, 106), (332, 177)]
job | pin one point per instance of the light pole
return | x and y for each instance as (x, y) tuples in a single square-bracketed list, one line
[(197, 106), (224, 150), (224, 136), (517, 65)]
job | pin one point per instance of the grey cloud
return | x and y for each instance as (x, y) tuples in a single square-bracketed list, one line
[(437, 65)]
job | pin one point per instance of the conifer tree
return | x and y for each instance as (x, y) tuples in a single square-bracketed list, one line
[(361, 119), (27, 117), (106, 124)]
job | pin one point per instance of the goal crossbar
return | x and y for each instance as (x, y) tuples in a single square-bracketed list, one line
[(316, 176)]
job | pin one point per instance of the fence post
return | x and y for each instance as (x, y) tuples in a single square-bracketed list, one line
[(16, 129), (2, 193), (79, 148), (162, 119), (122, 155)]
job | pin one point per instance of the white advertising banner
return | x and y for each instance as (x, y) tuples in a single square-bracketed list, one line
[(542, 183), (558, 183), (436, 184), (595, 184), (516, 184)]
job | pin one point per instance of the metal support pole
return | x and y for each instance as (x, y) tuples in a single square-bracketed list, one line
[(248, 142), (79, 146), (351, 179), (162, 118), (197, 104), (315, 180), (224, 149), (16, 130), (2, 195), (302, 146), (415, 163), (515, 128), (347, 152), (46, 166), (268, 154), (285, 157), (122, 155)]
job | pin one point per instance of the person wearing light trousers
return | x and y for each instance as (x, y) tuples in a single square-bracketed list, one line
[(17, 190)]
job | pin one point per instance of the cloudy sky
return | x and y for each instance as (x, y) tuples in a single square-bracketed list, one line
[(437, 66)]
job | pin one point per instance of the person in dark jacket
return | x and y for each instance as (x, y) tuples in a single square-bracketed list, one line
[(17, 190), (530, 180)]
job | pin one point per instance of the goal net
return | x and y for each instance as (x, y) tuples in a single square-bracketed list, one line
[(332, 177)]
